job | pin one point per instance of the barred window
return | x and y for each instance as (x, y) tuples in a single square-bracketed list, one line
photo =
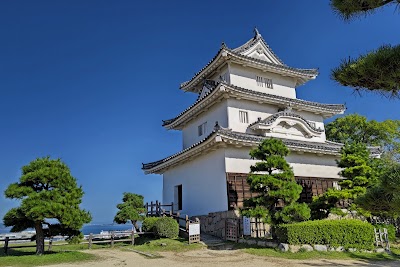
[(268, 83), (264, 82), (259, 80), (243, 116)]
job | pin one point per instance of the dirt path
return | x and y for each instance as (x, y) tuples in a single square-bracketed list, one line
[(205, 258)]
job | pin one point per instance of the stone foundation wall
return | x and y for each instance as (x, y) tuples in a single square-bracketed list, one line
[(214, 222)]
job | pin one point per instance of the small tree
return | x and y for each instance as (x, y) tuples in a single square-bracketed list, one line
[(131, 210), (359, 171), (384, 198), (355, 128), (47, 190), (273, 180)]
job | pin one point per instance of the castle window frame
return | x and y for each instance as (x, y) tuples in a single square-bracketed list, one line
[(268, 83), (201, 129), (243, 116), (259, 81)]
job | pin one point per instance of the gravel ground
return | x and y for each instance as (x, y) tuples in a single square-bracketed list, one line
[(205, 258)]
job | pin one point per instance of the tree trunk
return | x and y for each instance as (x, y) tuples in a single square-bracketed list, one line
[(135, 225), (39, 238)]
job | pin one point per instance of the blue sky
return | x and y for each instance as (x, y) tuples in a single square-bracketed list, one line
[(90, 81)]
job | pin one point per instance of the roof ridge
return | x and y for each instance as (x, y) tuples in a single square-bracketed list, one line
[(251, 42), (283, 66), (291, 143), (328, 107)]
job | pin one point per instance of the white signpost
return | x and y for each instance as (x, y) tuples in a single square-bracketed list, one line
[(194, 229), (194, 233), (246, 226)]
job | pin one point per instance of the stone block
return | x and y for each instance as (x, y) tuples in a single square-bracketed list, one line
[(351, 250), (320, 248), (251, 242), (366, 251), (261, 243), (380, 250), (306, 248), (340, 249), (270, 244), (331, 248), (283, 247), (294, 248)]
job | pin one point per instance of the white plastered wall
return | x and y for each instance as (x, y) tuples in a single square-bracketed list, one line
[(256, 110), (237, 160), (246, 77), (217, 112), (203, 183)]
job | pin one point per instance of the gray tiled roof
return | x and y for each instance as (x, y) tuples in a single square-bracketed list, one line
[(147, 166), (327, 147), (310, 72), (169, 121), (253, 41), (209, 63), (327, 107), (306, 72), (289, 142), (274, 117), (334, 108)]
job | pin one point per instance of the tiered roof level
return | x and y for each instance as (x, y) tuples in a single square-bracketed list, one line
[(247, 94)]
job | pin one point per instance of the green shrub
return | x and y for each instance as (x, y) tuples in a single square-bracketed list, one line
[(346, 233), (391, 230), (166, 227), (148, 223)]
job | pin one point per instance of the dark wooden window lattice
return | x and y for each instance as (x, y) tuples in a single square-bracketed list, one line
[(238, 190)]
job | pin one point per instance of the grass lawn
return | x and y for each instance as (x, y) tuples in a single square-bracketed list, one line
[(269, 252), (164, 244), (26, 257)]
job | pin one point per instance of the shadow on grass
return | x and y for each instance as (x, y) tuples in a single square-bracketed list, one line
[(19, 252)]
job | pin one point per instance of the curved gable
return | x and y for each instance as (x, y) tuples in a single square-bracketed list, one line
[(289, 123)]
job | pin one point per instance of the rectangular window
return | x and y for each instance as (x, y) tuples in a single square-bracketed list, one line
[(178, 197), (259, 80), (243, 116), (201, 129), (268, 83), (312, 124)]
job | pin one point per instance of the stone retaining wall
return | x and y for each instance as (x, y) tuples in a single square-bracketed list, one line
[(296, 248), (214, 223)]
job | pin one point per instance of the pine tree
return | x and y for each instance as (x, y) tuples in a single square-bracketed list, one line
[(272, 179), (377, 71), (383, 199), (360, 172), (47, 190), (131, 210)]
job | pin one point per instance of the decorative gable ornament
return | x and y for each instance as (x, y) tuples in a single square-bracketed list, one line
[(208, 86), (288, 123)]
